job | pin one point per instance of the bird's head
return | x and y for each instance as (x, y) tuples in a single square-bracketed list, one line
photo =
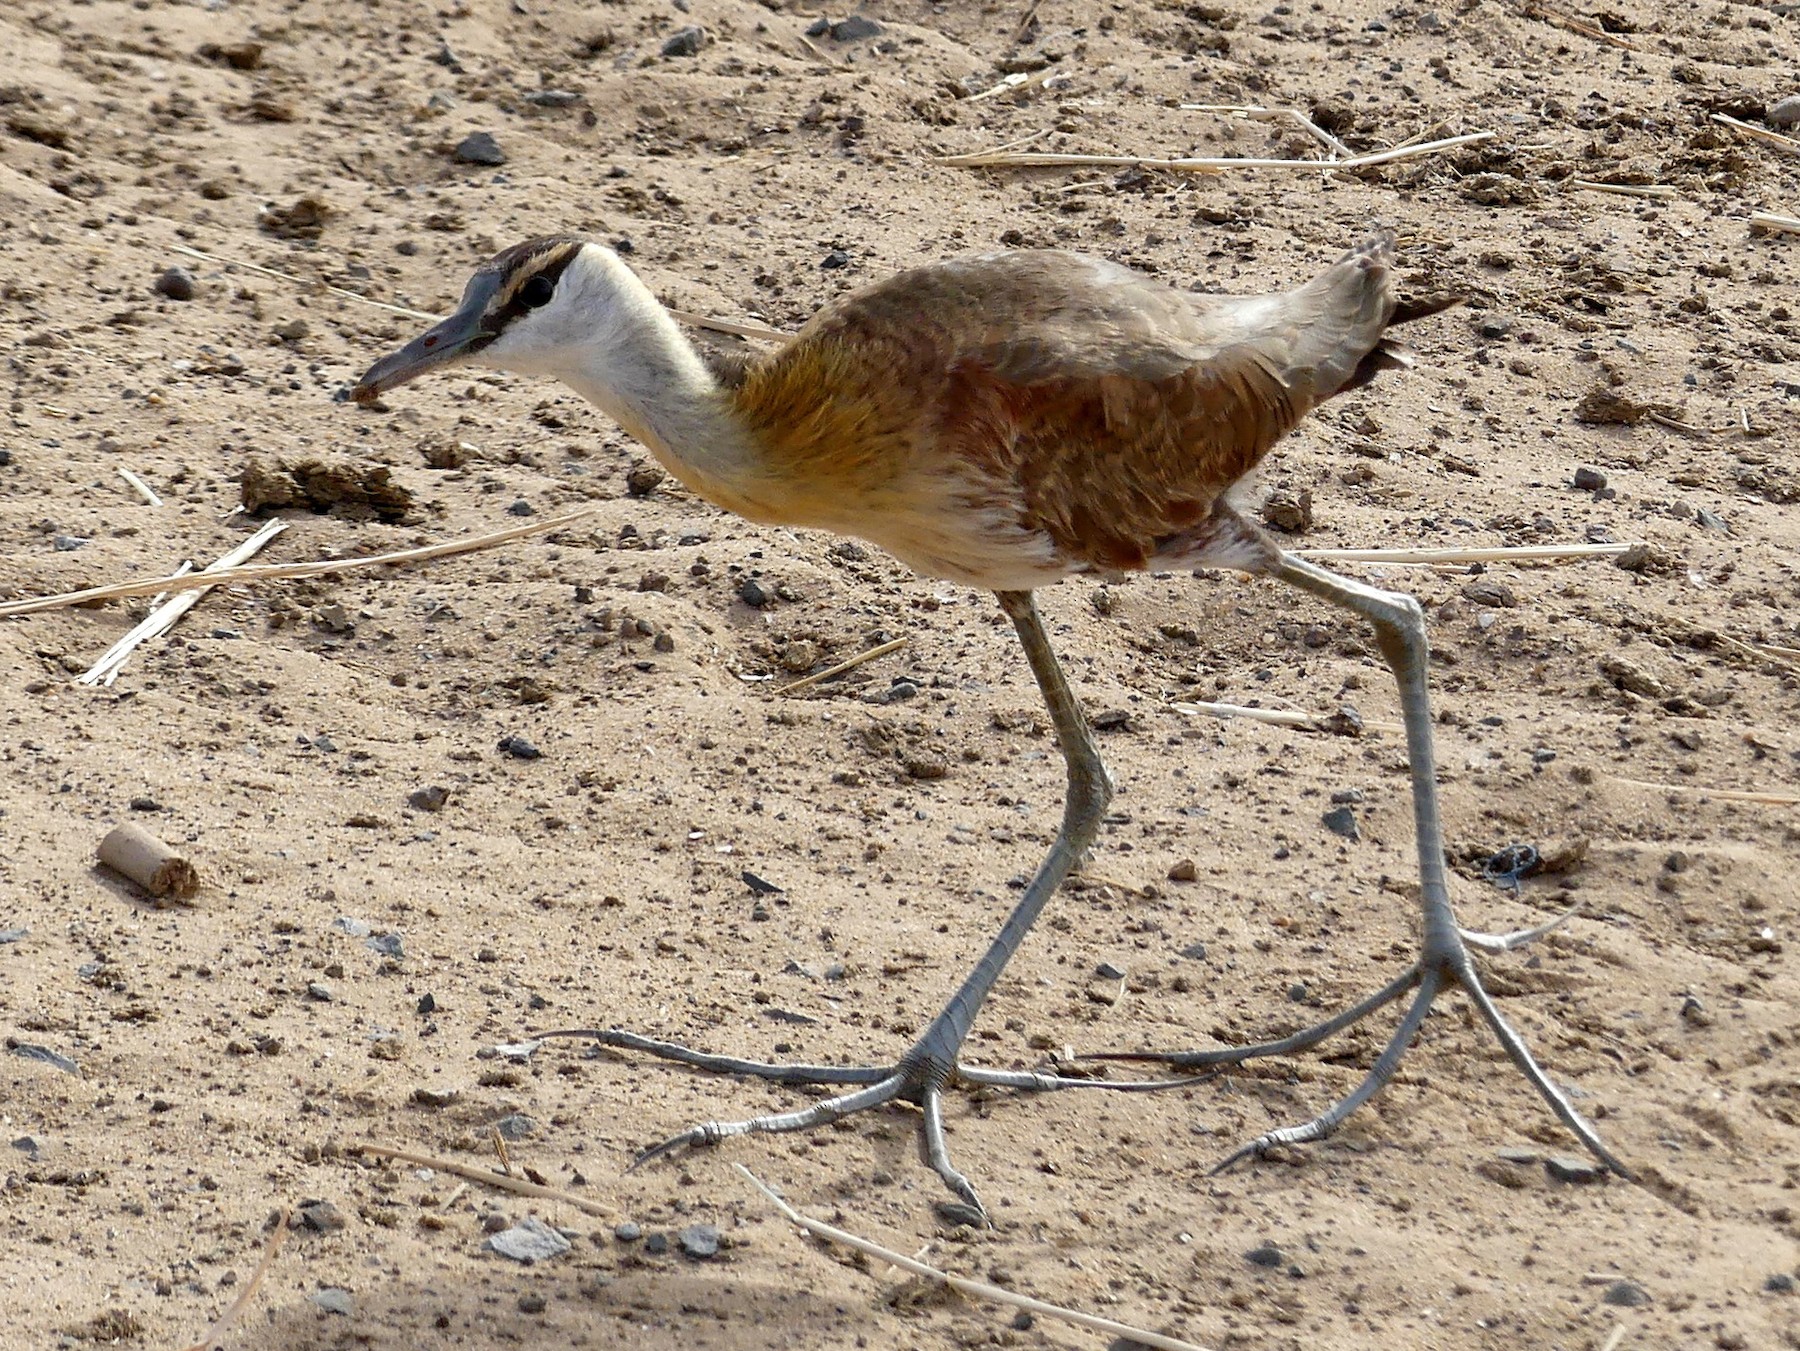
[(535, 308)]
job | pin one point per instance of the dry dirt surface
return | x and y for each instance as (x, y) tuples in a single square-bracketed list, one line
[(361, 943)]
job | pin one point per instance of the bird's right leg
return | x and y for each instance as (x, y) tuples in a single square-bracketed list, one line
[(1444, 960), (933, 1063)]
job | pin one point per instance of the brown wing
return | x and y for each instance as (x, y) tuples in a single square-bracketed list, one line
[(1105, 408)]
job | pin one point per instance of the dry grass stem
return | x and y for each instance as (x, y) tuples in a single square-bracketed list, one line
[(1255, 114), (1660, 192), (518, 1185), (274, 572), (1275, 717), (235, 1310), (739, 328), (1674, 424), (974, 1289), (1774, 224), (1032, 159), (848, 664), (499, 1143), (166, 614), (144, 490), (1587, 30), (1722, 794), (1018, 83), (1786, 144), (1526, 553), (1612, 1342)]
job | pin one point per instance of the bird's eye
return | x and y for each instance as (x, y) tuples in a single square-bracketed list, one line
[(536, 292)]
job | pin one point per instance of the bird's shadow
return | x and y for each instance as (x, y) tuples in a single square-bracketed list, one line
[(652, 1307)]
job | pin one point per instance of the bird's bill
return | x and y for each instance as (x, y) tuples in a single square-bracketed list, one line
[(443, 344)]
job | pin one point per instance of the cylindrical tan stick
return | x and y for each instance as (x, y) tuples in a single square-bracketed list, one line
[(146, 860)]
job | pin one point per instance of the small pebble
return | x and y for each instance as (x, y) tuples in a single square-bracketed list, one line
[(530, 1240), (318, 991), (532, 1303), (321, 1217), (643, 479), (753, 594), (685, 41), (628, 1231), (1345, 796), (519, 748), (1589, 480), (28, 1144), (332, 1299), (516, 1126), (1626, 1295), (293, 330), (1107, 971), (521, 508), (1184, 870), (1266, 1255), (177, 283), (1784, 114), (494, 1222), (700, 1241), (1194, 952), (68, 544), (1342, 821), (1779, 1284), (1564, 1168), (657, 1244), (431, 798), (479, 147)]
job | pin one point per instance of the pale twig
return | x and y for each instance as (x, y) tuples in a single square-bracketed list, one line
[(1787, 144), (1525, 553), (273, 572), (848, 664), (1256, 114), (974, 1289), (739, 328), (1723, 794), (1019, 82), (1275, 717), (518, 1185), (499, 1143), (1614, 1338), (209, 1339), (166, 615), (1768, 220), (1048, 160), (1661, 192), (144, 490), (1674, 424), (1563, 21)]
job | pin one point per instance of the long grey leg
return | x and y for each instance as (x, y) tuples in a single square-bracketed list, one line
[(930, 1064), (1444, 951)]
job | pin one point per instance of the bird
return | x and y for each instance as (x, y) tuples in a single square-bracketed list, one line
[(1004, 420)]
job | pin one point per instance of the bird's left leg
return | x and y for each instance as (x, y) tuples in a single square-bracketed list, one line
[(933, 1062), (1444, 958)]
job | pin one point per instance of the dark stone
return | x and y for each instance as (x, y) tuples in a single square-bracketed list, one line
[(700, 1241), (519, 748), (521, 508), (1589, 480), (1266, 1255), (177, 283), (1626, 1295), (685, 41), (321, 1217), (1342, 821), (1563, 1168), (479, 147), (754, 594), (431, 798), (854, 29)]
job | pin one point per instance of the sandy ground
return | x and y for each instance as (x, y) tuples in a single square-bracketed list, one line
[(352, 958)]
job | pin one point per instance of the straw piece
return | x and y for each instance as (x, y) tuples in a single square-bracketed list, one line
[(143, 489), (1275, 717), (210, 1339), (1661, 192), (848, 664), (1256, 114), (1722, 794), (1589, 30), (1786, 144), (1614, 1338), (165, 614), (975, 1289), (1527, 553), (510, 1184), (1047, 160), (272, 572), (1019, 82), (1673, 424), (1768, 220)]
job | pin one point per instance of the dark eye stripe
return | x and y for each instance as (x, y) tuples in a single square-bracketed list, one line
[(540, 280)]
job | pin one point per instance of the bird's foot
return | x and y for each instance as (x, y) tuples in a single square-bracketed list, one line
[(920, 1077), (1449, 965)]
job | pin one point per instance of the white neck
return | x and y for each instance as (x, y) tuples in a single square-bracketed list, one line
[(637, 366)]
